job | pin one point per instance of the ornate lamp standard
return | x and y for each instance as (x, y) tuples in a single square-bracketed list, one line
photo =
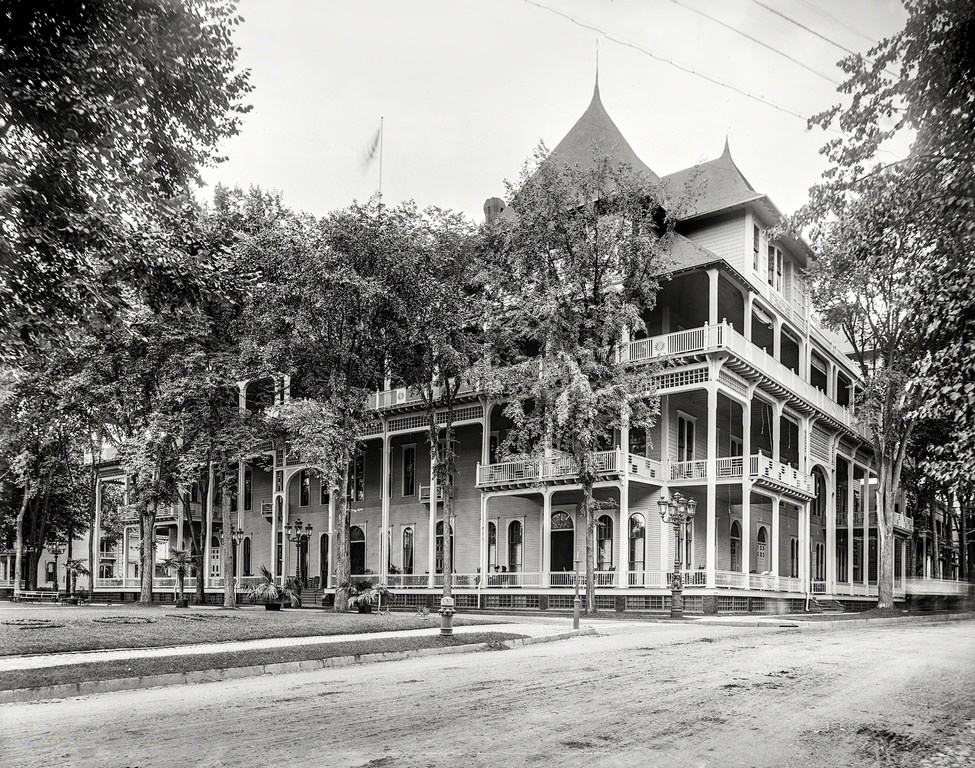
[(677, 511), (299, 536), (56, 548), (237, 536)]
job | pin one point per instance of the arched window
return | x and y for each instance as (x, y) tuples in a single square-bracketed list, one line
[(245, 556), (357, 550), (604, 543), (561, 521), (439, 552), (638, 538), (515, 546), (492, 545), (818, 505), (408, 550), (735, 546)]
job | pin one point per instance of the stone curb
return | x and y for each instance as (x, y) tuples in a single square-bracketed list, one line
[(87, 687)]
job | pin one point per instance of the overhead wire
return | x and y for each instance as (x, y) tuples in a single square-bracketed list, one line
[(755, 40)]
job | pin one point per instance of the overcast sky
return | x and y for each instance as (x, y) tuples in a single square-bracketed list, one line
[(467, 89)]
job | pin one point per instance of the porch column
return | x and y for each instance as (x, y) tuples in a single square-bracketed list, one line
[(546, 537), (866, 529), (778, 409), (774, 539), (713, 296), (331, 537), (96, 532), (483, 557), (805, 574), (126, 498), (746, 488), (623, 536), (711, 551), (747, 330), (831, 530), (849, 524), (385, 482), (285, 519), (432, 538), (241, 482), (209, 528)]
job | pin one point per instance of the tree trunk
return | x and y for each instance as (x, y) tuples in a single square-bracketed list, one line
[(343, 565), (226, 523), (147, 551), (590, 517), (19, 540), (886, 489)]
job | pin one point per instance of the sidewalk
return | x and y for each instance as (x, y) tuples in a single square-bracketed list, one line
[(532, 633), (48, 660)]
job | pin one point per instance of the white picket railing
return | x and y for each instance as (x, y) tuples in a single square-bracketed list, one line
[(558, 467), (689, 470)]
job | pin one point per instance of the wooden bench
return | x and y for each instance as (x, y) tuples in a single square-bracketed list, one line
[(37, 596)]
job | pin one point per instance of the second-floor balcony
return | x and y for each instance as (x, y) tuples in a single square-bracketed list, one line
[(562, 468)]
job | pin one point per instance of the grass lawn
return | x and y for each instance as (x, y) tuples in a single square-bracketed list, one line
[(113, 670), (53, 629)]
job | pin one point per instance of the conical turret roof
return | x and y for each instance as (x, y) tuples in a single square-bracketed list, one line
[(596, 129), (713, 185)]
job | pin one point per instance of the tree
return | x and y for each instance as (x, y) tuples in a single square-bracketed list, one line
[(441, 343), (581, 249), (326, 316), (108, 111), (889, 233)]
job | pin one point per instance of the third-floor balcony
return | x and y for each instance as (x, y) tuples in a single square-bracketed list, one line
[(778, 378)]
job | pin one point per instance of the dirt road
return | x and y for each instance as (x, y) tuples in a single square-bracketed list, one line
[(637, 695)]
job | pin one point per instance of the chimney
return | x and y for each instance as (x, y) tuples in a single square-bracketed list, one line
[(492, 209)]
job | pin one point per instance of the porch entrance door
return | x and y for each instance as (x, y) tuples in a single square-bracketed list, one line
[(303, 562), (563, 546)]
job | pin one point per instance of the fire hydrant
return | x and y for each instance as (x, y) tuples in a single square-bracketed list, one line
[(446, 616)]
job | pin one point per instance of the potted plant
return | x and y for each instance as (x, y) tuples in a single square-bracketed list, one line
[(179, 562), (365, 596), (272, 594)]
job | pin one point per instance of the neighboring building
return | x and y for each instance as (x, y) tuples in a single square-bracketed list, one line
[(756, 425)]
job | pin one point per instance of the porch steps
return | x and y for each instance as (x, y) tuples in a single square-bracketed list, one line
[(824, 605), (311, 598)]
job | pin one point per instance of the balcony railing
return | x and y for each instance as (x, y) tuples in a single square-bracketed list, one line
[(547, 468), (712, 338), (775, 473), (689, 470), (403, 397), (424, 494)]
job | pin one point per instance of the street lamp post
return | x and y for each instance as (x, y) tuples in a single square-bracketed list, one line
[(299, 536), (237, 536), (56, 548), (575, 603), (677, 511)]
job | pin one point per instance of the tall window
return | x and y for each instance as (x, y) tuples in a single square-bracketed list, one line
[(493, 442), (245, 556), (735, 546), (214, 557), (604, 543), (689, 544), (304, 488), (638, 537), (793, 557), (819, 503), (492, 545), (278, 554), (515, 546), (408, 550), (248, 488), (409, 470), (756, 237), (232, 485), (357, 474), (775, 259), (323, 559), (357, 550), (685, 438), (821, 562), (440, 550), (761, 550)]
